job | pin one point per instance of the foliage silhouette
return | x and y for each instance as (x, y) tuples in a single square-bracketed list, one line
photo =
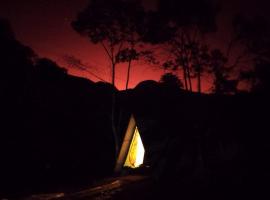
[(217, 66), (113, 24), (171, 81), (180, 26), (254, 34)]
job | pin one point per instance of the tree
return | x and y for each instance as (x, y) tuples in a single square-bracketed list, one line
[(74, 62), (112, 24), (217, 66), (183, 25), (253, 34), (200, 62), (192, 58), (171, 80), (127, 55), (258, 77)]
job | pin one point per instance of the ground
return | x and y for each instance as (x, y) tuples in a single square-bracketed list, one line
[(124, 187)]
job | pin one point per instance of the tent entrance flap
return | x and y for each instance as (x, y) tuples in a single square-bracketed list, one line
[(132, 150), (136, 151)]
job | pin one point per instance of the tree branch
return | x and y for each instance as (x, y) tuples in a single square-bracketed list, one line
[(106, 50), (239, 59)]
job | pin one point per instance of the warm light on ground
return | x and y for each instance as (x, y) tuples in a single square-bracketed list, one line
[(136, 151)]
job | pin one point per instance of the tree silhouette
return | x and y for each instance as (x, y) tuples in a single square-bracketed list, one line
[(258, 77), (170, 80), (254, 35), (114, 25), (74, 62), (217, 66), (192, 58), (200, 62), (183, 25), (127, 55)]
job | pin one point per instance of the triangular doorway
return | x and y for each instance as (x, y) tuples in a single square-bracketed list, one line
[(136, 151), (132, 150)]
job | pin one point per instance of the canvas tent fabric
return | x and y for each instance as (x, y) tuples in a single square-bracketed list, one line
[(136, 151), (132, 149)]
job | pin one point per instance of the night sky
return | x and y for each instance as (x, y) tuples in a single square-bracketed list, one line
[(44, 25)]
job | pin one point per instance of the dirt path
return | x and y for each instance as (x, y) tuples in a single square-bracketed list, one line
[(125, 187)]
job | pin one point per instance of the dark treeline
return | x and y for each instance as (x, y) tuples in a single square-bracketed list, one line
[(175, 36)]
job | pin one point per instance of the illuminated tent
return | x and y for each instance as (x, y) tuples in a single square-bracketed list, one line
[(132, 150)]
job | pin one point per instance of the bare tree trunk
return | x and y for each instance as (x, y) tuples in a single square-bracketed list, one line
[(113, 73), (110, 54), (128, 73), (114, 129), (199, 81), (185, 78), (189, 79)]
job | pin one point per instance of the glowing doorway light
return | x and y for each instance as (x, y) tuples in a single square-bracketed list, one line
[(136, 151)]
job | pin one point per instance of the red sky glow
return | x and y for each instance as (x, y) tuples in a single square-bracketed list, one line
[(44, 25)]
